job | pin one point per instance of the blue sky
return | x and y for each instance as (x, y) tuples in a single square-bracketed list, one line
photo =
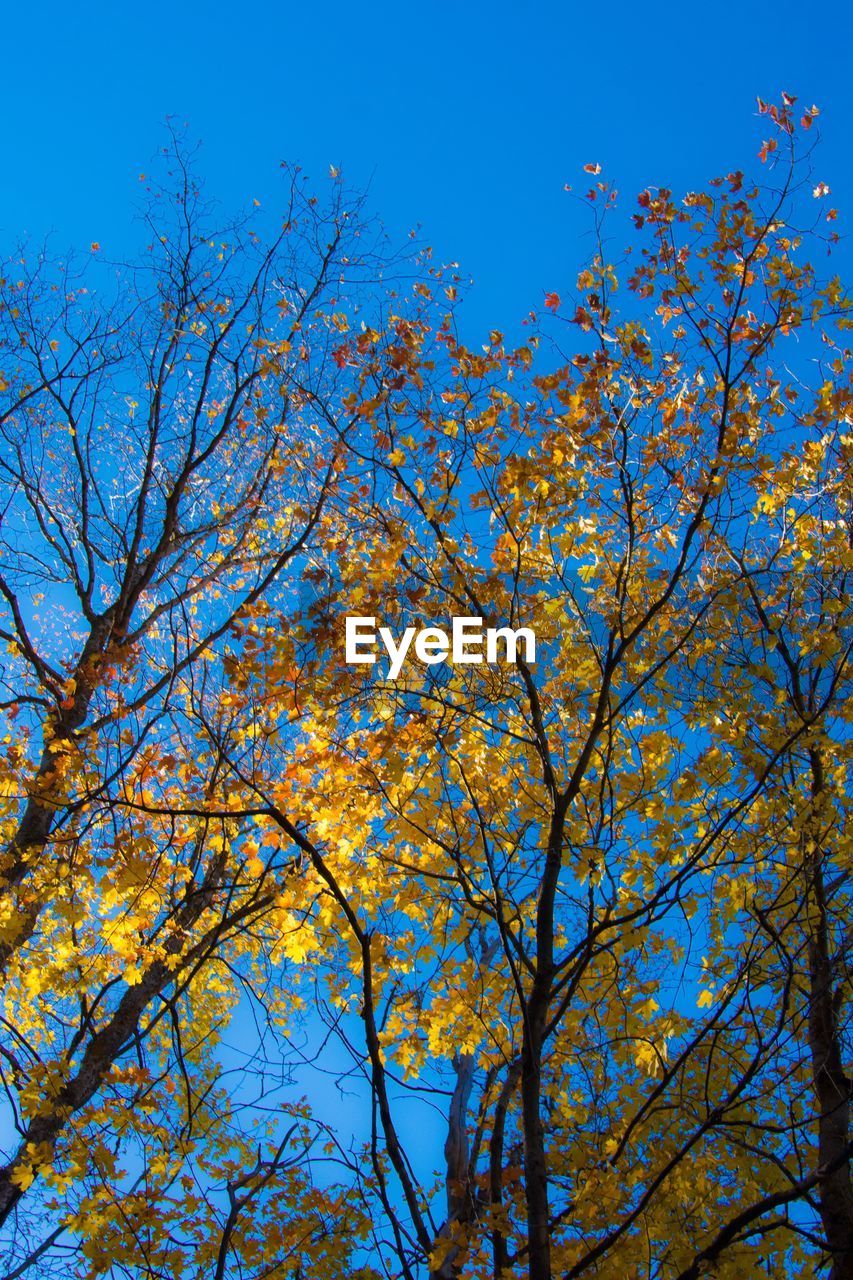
[(467, 118)]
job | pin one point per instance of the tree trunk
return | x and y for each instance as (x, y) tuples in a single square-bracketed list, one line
[(535, 1166), (832, 1086), (460, 1203)]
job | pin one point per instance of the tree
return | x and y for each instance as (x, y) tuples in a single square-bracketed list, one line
[(162, 470), (589, 909)]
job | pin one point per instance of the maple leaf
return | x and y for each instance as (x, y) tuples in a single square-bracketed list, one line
[(488, 880)]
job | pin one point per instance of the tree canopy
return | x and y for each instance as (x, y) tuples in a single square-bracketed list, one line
[(486, 970)]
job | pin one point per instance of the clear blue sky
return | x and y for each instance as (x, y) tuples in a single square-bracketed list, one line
[(467, 118)]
